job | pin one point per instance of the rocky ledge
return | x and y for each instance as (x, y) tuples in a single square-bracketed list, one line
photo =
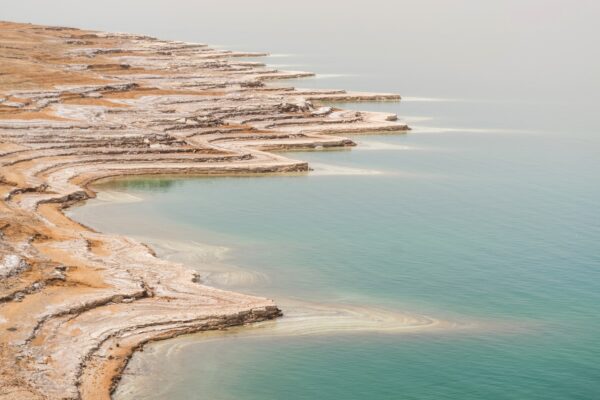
[(77, 106)]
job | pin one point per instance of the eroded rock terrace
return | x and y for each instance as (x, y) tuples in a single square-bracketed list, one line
[(77, 106)]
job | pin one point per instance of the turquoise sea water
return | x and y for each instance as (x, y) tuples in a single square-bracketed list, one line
[(485, 215), (495, 227)]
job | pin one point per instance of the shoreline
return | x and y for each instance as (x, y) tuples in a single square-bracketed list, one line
[(300, 318), (93, 105)]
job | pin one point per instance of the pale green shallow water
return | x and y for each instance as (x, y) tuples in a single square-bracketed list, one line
[(486, 214)]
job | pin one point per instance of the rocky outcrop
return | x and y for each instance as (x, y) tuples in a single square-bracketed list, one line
[(78, 106)]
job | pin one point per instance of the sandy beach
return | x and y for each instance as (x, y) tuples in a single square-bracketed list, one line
[(78, 106)]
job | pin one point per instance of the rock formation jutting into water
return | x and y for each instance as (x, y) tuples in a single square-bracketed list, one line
[(77, 106)]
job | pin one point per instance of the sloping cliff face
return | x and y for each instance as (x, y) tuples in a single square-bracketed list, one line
[(77, 106)]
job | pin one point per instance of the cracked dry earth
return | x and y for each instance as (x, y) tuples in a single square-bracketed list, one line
[(77, 106)]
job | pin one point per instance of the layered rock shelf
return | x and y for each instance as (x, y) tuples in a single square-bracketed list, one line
[(77, 106)]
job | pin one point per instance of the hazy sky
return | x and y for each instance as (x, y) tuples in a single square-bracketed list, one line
[(499, 46)]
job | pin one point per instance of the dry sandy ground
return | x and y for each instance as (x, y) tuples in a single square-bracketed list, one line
[(77, 106)]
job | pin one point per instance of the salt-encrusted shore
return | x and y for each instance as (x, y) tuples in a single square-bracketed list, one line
[(77, 106)]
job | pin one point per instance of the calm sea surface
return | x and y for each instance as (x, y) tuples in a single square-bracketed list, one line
[(485, 215)]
